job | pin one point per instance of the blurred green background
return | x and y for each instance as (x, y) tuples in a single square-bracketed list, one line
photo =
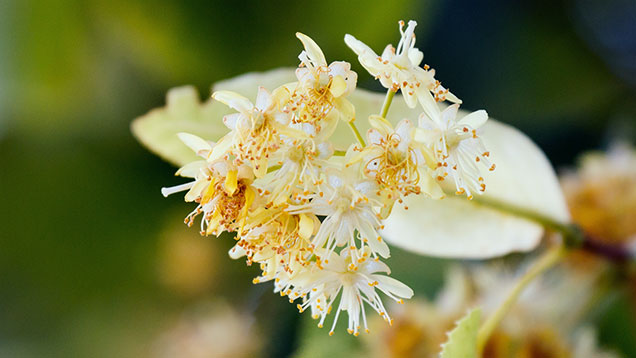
[(95, 263)]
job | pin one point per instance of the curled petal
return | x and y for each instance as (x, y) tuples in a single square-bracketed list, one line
[(313, 50), (338, 86), (263, 99), (191, 169), (359, 47), (415, 56), (393, 286), (233, 100), (475, 119), (197, 144)]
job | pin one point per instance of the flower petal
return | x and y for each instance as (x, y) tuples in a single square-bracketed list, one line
[(263, 99), (374, 136), (233, 100), (358, 46), (231, 182), (305, 226), (346, 109), (415, 56), (338, 86), (197, 144), (382, 125), (191, 169), (430, 187), (475, 119), (236, 252), (393, 286), (313, 50)]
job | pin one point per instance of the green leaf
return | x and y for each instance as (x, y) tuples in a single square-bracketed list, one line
[(462, 340)]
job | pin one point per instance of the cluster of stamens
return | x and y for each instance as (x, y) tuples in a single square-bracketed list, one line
[(311, 105), (227, 209), (393, 169)]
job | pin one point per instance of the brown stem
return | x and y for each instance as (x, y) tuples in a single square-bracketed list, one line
[(617, 253)]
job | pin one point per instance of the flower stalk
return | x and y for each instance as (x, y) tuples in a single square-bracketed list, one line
[(357, 134), (387, 103), (545, 262)]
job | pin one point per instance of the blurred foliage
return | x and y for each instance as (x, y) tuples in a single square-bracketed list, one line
[(617, 323), (75, 64), (83, 226)]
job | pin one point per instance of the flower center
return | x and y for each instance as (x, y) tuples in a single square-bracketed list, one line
[(393, 168)]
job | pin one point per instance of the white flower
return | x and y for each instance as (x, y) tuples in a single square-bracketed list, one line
[(222, 189), (279, 241), (454, 148), (348, 203), (400, 68), (395, 161), (301, 166), (318, 100), (256, 128), (357, 279), (336, 77)]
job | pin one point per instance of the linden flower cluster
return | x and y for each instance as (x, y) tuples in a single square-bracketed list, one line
[(309, 214)]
